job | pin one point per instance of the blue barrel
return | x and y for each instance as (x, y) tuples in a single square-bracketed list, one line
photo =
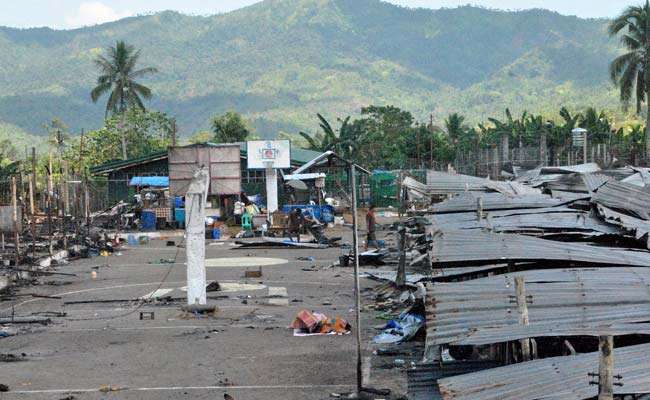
[(216, 233), (148, 220), (179, 217), (178, 202), (327, 214)]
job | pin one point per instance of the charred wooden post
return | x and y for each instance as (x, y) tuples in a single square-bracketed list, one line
[(401, 268), (522, 308), (606, 368)]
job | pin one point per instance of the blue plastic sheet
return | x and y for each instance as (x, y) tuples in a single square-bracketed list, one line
[(154, 181), (400, 330)]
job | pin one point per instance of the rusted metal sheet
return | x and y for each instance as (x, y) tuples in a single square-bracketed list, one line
[(224, 163), (557, 378)]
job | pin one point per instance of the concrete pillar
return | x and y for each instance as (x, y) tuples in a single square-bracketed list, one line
[(271, 190), (195, 201)]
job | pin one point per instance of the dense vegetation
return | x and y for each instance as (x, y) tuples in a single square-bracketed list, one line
[(280, 62), (387, 137)]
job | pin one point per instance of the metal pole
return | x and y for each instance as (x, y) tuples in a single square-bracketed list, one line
[(31, 199), (357, 289), (584, 149), (606, 368), (14, 202), (50, 189)]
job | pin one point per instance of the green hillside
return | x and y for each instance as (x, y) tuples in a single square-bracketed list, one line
[(281, 61)]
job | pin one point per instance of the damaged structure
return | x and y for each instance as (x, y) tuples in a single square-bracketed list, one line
[(529, 281)]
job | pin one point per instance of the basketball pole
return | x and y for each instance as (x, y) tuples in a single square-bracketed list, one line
[(271, 189)]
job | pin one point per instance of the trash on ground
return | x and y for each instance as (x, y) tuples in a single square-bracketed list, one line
[(314, 324)]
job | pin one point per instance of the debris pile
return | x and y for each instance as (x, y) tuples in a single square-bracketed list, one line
[(312, 323), (526, 279)]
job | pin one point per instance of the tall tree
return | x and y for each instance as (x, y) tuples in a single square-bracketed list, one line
[(230, 127), (118, 76), (631, 70)]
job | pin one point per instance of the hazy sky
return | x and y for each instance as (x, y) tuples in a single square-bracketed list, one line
[(75, 13)]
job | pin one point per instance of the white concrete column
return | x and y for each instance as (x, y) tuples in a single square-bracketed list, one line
[(272, 190), (195, 202)]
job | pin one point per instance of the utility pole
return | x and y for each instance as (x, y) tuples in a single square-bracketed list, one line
[(431, 141), (14, 202), (31, 197), (50, 190), (357, 290)]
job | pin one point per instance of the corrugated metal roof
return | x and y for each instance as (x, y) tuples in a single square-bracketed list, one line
[(423, 380), (471, 248), (298, 157), (491, 335), (564, 299), (625, 197), (494, 201), (441, 183), (528, 221), (558, 378), (594, 181), (569, 169), (637, 227)]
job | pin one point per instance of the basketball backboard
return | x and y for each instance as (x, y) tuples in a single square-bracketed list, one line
[(264, 153)]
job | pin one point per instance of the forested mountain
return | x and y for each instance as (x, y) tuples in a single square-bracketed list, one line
[(279, 62)]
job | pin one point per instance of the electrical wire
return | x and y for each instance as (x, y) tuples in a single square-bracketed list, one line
[(142, 301)]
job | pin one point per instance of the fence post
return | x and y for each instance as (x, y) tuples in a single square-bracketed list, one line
[(606, 368), (522, 307)]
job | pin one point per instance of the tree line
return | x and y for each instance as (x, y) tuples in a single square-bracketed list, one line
[(388, 137), (383, 136)]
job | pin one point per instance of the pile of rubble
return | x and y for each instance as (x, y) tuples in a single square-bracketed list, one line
[(525, 278)]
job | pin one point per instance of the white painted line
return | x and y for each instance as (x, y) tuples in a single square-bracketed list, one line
[(176, 388), (166, 283)]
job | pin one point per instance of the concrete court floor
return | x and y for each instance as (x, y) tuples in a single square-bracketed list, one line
[(246, 350)]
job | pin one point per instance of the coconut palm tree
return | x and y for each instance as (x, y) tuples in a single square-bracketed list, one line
[(118, 76), (631, 70)]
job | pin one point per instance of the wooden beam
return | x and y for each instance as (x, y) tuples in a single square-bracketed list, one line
[(606, 368), (522, 308)]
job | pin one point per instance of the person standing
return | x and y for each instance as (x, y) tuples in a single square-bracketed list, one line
[(371, 224), (295, 224)]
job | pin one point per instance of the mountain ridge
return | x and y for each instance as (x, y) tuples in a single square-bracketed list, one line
[(281, 61)]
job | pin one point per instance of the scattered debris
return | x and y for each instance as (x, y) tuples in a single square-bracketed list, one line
[(314, 324)]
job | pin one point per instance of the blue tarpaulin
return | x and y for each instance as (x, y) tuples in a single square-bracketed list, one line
[(156, 181)]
